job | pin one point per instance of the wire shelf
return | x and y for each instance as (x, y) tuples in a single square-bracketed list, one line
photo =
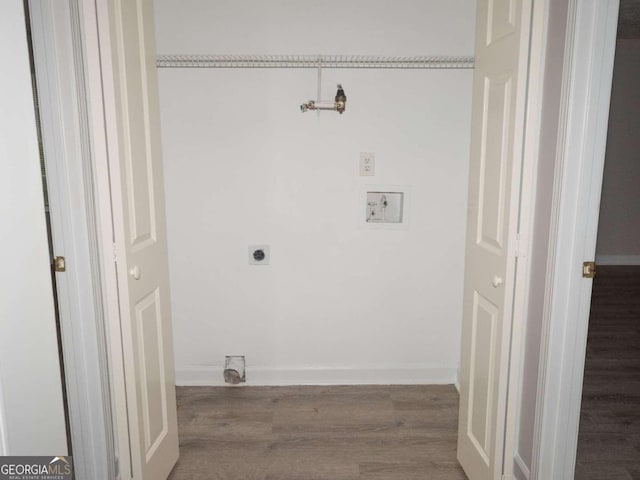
[(312, 61)]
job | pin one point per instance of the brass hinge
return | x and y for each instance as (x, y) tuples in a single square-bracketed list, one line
[(59, 264), (588, 269)]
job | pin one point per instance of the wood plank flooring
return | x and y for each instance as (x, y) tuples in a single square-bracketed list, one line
[(609, 438), (318, 433)]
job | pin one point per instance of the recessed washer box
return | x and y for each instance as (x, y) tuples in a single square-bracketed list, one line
[(384, 206)]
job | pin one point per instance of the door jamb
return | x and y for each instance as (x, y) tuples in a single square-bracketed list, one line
[(93, 16), (80, 186), (590, 49), (60, 80), (575, 222), (531, 142)]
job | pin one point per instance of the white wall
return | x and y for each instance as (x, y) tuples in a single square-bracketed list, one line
[(31, 410), (340, 303), (619, 225)]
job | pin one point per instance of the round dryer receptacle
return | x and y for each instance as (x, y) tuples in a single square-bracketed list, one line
[(259, 254)]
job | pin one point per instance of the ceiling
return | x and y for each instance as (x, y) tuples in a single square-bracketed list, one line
[(629, 20)]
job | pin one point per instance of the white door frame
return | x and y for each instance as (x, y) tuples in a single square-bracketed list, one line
[(32, 420), (67, 57), (94, 13), (512, 464), (63, 117), (590, 49), (586, 97)]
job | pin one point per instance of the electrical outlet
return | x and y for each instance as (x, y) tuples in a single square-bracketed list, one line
[(259, 255), (367, 164)]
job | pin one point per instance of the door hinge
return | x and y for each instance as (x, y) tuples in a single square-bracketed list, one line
[(59, 264), (520, 250), (588, 269), (115, 253)]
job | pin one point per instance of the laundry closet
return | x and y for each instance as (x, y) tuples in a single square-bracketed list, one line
[(324, 197), (343, 296)]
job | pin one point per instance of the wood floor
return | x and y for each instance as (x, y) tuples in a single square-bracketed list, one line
[(609, 438), (318, 433)]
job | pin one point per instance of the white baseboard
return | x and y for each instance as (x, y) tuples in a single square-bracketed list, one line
[(262, 376), (520, 469), (617, 259)]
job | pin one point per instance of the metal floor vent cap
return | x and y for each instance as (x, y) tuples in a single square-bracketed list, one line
[(234, 369)]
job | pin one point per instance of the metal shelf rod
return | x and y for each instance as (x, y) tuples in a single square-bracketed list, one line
[(313, 61)]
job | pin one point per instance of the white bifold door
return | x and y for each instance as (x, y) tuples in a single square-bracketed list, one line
[(127, 46), (499, 94)]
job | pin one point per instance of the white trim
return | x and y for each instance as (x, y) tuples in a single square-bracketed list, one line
[(4, 441), (520, 470), (93, 16), (535, 76), (591, 36), (59, 75), (621, 260), (394, 375)]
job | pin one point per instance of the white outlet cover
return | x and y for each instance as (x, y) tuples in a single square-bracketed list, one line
[(254, 255), (367, 164)]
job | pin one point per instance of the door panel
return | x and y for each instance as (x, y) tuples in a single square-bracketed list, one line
[(496, 157), (501, 20), (139, 224), (151, 367), (483, 341), (139, 156), (493, 164)]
